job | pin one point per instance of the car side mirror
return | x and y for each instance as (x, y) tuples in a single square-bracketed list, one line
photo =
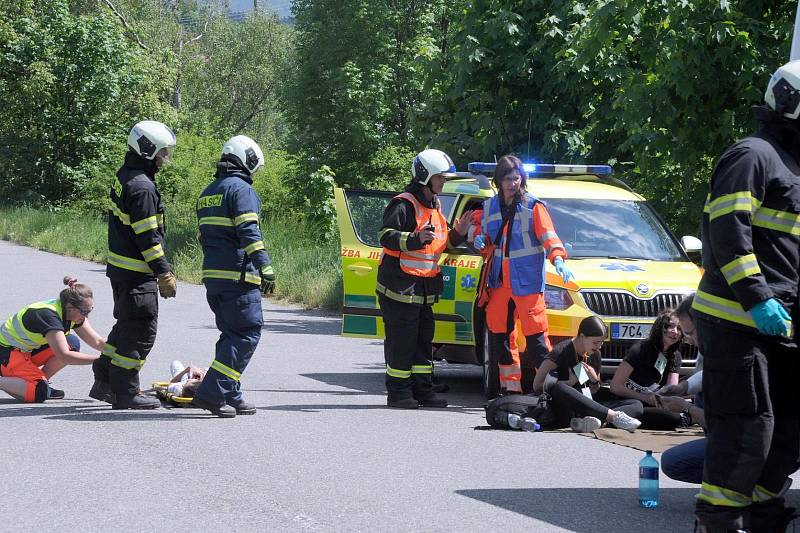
[(691, 244)]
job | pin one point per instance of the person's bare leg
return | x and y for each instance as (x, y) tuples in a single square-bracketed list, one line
[(52, 366), (15, 387)]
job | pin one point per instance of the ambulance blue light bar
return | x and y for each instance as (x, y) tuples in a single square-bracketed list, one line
[(536, 168)]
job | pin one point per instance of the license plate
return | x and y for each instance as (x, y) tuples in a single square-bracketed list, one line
[(630, 331)]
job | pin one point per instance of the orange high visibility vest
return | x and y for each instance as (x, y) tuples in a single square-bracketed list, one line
[(425, 261)]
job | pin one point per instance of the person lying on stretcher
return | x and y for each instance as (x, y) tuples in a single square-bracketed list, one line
[(184, 382)]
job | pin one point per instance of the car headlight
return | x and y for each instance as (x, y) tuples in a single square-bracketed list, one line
[(557, 298)]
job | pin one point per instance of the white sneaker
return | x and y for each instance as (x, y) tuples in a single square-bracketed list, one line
[(623, 421), (176, 368), (587, 424)]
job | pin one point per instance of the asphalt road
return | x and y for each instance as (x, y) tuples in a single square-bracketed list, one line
[(322, 454)]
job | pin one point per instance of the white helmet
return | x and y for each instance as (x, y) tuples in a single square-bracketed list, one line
[(245, 151), (783, 91), (149, 137), (429, 162)]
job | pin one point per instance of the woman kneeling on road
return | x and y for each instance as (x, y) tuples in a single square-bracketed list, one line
[(576, 395), (36, 342)]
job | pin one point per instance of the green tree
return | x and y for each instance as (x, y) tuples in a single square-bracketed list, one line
[(71, 86), (360, 76)]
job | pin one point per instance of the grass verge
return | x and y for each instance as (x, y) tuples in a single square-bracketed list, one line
[(308, 272)]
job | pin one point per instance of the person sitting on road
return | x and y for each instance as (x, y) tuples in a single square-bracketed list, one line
[(576, 394), (36, 342), (649, 365)]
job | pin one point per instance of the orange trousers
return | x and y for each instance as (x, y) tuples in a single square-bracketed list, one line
[(27, 366)]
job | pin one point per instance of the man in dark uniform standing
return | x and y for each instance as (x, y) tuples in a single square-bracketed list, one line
[(235, 264), (137, 267), (413, 236), (746, 309)]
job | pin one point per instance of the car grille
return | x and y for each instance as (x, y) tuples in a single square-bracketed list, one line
[(624, 304), (615, 351)]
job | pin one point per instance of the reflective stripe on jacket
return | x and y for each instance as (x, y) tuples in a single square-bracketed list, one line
[(425, 261), (13, 333), (526, 253), (228, 217)]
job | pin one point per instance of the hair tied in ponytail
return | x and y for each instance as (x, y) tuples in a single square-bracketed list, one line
[(70, 281)]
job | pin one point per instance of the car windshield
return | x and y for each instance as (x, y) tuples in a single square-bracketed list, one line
[(618, 229)]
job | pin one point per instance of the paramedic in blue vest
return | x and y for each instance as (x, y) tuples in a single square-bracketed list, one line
[(516, 281), (137, 267), (414, 235), (236, 271)]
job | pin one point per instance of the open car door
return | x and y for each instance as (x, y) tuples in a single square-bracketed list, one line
[(360, 216)]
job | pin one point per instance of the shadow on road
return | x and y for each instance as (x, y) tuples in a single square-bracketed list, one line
[(303, 325), (94, 412), (311, 408), (595, 509)]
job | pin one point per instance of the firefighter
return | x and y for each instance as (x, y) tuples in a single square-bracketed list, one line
[(137, 267), (235, 267), (525, 237), (745, 311), (37, 341), (413, 236)]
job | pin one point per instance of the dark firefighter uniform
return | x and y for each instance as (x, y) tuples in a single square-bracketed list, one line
[(135, 258), (409, 283), (233, 256), (751, 252)]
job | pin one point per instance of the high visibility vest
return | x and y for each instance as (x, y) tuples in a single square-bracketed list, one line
[(526, 254), (13, 333), (425, 261)]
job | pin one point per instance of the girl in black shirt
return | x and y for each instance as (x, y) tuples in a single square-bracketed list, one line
[(575, 389), (649, 365)]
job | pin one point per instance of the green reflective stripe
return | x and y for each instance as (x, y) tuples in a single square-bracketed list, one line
[(123, 217), (761, 494), (722, 308), (400, 374), (383, 232), (153, 253), (160, 220), (231, 275), (405, 298), (404, 235), (128, 263), (253, 246), (121, 361), (221, 274), (215, 221), (146, 224), (727, 203), (740, 268), (724, 497), (245, 217), (226, 370), (777, 220), (422, 369)]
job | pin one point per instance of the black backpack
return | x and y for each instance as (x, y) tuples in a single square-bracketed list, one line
[(524, 405)]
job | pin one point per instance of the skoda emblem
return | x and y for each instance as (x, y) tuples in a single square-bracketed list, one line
[(642, 289)]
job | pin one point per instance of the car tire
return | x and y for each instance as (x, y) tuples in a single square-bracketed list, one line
[(491, 373)]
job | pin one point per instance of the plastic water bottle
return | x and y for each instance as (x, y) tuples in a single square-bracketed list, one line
[(648, 481), (176, 368), (515, 421)]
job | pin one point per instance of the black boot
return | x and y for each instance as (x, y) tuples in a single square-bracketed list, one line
[(135, 401), (432, 400), (771, 516), (101, 391), (402, 403), (243, 408), (55, 394), (222, 411)]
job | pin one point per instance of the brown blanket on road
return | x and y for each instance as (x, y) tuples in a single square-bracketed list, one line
[(645, 439)]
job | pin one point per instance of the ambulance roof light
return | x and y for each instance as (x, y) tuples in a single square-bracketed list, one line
[(536, 168)]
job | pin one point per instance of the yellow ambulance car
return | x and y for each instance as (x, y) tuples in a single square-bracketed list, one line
[(628, 266)]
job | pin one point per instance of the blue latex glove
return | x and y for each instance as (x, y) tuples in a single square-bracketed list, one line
[(770, 317), (479, 243), (562, 270)]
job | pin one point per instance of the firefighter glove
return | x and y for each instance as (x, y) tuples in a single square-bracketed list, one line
[(267, 279), (770, 317), (167, 285), (562, 270)]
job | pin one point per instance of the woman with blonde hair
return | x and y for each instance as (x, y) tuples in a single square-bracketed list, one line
[(37, 341)]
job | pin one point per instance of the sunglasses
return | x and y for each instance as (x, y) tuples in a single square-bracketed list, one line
[(82, 311)]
